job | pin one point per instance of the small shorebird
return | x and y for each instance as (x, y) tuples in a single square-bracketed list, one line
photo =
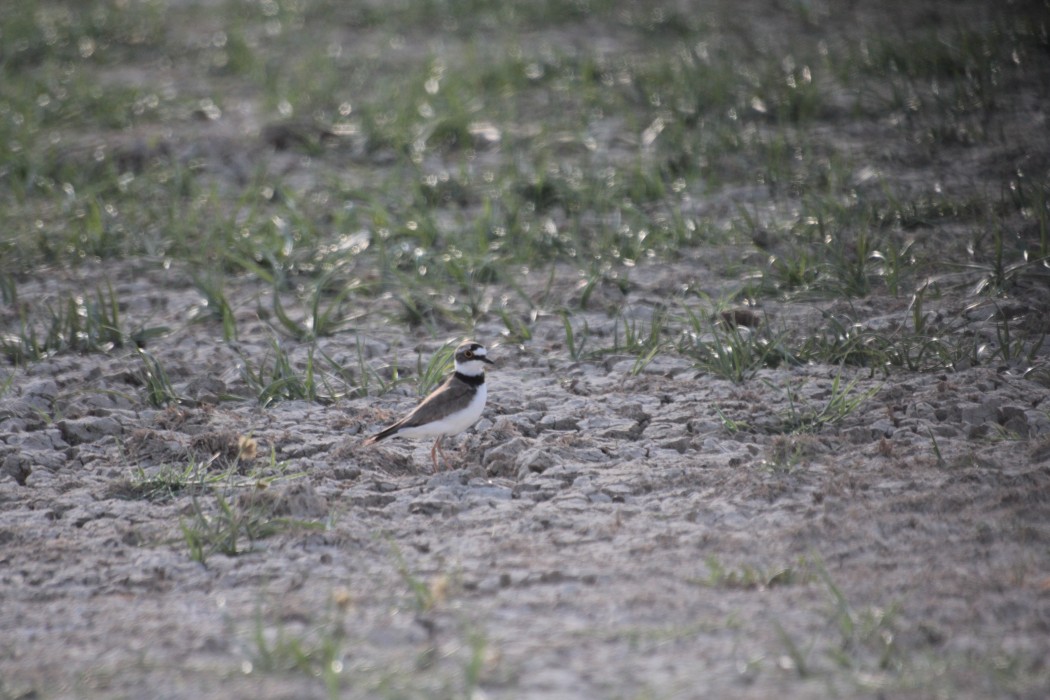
[(451, 408)]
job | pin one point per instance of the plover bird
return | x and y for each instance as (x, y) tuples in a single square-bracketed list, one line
[(451, 408)]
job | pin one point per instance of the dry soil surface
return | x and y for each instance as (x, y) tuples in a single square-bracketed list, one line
[(611, 528), (605, 531)]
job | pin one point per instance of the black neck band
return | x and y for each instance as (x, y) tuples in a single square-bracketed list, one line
[(472, 381)]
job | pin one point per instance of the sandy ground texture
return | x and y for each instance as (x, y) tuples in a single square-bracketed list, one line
[(612, 527)]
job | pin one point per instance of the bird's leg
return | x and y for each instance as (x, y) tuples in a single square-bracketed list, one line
[(433, 454), (443, 457)]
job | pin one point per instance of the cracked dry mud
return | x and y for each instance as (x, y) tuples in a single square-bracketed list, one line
[(610, 529), (605, 532)]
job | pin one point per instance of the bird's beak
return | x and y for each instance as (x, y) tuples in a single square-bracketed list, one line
[(485, 359)]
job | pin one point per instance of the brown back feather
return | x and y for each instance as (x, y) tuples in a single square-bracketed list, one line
[(453, 394)]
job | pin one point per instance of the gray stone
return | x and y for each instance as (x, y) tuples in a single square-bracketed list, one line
[(430, 505), (101, 401), (503, 456), (882, 428), (977, 413), (49, 459), (525, 423), (45, 388), (618, 493), (630, 451), (560, 421), (13, 425), (921, 409), (29, 407), (34, 441), (490, 493), (679, 445), (1007, 413), (17, 466), (533, 460), (89, 429), (974, 432), (667, 366), (583, 483), (857, 435), (346, 473), (1038, 423), (206, 389), (1016, 424), (55, 435), (633, 411), (612, 428), (299, 500)]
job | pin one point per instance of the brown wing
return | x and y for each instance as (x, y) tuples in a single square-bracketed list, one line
[(448, 398)]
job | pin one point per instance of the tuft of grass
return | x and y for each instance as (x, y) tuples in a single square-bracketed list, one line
[(317, 652), (221, 532), (436, 368), (797, 658), (923, 347), (159, 390), (842, 402), (424, 596), (276, 377), (517, 330), (8, 288), (731, 351), (867, 636), (788, 451), (326, 303), (753, 578), (216, 306), (168, 482), (644, 342), (936, 448), (327, 309), (731, 425), (572, 343), (1015, 348), (363, 376), (76, 323), (476, 662), (231, 528)]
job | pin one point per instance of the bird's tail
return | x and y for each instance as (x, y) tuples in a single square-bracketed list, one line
[(387, 432)]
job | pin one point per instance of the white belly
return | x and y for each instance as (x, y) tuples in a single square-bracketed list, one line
[(453, 423)]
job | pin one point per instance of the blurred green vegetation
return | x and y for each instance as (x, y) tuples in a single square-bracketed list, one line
[(428, 150)]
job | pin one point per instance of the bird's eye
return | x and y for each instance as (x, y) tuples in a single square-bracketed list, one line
[(468, 354)]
